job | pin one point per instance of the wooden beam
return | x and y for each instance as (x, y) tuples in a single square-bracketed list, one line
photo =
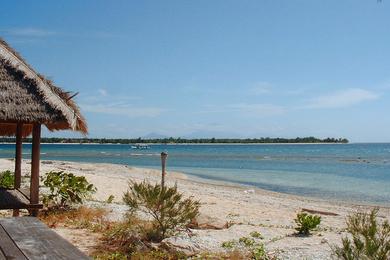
[(35, 157), (18, 161), (18, 156)]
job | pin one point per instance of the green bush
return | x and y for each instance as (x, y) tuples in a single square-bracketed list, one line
[(164, 204), (229, 244), (110, 199), (127, 240), (7, 179), (125, 237), (306, 223), (110, 256), (253, 249), (256, 234), (258, 252), (66, 189), (247, 241), (369, 239)]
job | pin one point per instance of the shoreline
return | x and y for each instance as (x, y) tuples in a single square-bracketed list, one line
[(228, 210), (228, 184), (179, 175), (231, 184)]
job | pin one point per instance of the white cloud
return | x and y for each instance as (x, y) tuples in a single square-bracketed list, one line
[(123, 110), (261, 88), (294, 92), (103, 102), (27, 32), (35, 33), (258, 109), (385, 86), (344, 98), (262, 110), (102, 92), (103, 96)]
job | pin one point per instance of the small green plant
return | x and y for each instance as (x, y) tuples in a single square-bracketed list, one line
[(259, 253), (229, 244), (253, 250), (66, 189), (110, 199), (110, 256), (247, 241), (165, 205), (369, 239), (127, 240), (7, 179), (306, 223), (256, 234)]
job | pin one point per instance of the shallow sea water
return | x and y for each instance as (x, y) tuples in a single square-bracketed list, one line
[(349, 172)]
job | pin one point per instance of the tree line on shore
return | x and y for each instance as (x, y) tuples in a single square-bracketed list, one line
[(172, 140)]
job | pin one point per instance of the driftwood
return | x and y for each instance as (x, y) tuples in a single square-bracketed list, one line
[(313, 211)]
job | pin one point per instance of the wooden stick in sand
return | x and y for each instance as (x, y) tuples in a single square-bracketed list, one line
[(164, 156)]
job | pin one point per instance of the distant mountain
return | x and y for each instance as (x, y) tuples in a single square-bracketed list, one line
[(155, 136)]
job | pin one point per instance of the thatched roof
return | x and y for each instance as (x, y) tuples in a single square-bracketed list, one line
[(26, 96)]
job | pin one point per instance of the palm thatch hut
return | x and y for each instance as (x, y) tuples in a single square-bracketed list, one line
[(27, 101)]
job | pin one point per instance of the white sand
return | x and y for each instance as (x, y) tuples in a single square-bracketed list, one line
[(270, 213)]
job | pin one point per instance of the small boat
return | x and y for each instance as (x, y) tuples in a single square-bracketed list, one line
[(140, 146)]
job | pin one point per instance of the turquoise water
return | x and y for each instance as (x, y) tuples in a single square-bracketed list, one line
[(348, 172)]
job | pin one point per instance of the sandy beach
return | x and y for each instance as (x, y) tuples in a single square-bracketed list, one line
[(228, 211)]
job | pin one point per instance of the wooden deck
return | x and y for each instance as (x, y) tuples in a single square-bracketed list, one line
[(16, 199), (25, 238)]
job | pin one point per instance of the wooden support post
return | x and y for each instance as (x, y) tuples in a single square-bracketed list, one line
[(164, 156), (18, 156), (35, 157), (18, 161)]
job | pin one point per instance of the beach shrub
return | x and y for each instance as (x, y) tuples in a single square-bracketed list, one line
[(66, 189), (256, 234), (258, 252), (7, 179), (125, 237), (110, 256), (247, 241), (127, 240), (249, 246), (83, 217), (167, 207), (110, 199), (368, 239), (229, 244), (306, 223)]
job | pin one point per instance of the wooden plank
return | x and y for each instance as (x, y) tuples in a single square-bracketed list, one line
[(37, 241), (2, 256), (9, 250), (35, 157), (14, 199), (25, 192)]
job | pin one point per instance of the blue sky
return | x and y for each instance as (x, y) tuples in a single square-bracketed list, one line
[(214, 68)]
